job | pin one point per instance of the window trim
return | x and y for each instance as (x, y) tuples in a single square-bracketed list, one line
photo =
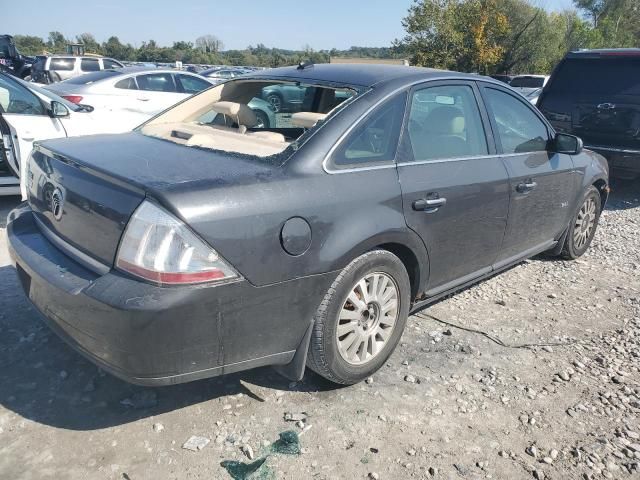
[(405, 87), (484, 120), (483, 86), (330, 159)]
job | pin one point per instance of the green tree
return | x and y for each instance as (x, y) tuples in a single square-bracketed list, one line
[(29, 44), (57, 43), (89, 42), (433, 37)]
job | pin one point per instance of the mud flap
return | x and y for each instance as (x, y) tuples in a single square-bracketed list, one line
[(557, 250), (294, 370)]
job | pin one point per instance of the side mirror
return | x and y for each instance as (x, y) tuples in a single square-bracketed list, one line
[(58, 110), (569, 144)]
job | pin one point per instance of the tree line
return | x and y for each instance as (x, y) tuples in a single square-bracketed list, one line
[(207, 50), (483, 36)]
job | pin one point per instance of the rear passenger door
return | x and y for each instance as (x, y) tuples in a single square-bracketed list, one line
[(455, 188), (542, 182)]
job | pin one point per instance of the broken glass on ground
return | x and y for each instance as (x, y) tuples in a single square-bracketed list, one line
[(287, 444)]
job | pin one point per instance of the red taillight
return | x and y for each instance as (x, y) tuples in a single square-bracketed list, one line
[(73, 98)]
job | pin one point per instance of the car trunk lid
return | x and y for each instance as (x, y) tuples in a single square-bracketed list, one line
[(101, 180)]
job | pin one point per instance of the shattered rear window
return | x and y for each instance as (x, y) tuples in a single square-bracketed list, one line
[(251, 117)]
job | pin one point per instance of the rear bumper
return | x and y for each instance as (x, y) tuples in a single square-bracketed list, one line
[(151, 335), (619, 159)]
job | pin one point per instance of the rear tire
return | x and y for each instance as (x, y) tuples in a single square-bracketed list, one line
[(352, 339), (583, 225)]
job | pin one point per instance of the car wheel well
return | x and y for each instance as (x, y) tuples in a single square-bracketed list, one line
[(410, 262), (601, 185)]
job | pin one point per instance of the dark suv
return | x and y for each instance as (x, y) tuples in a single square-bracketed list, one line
[(595, 94)]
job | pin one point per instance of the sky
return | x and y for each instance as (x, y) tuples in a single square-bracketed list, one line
[(292, 24)]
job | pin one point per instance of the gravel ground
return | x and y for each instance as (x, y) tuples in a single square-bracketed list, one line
[(544, 383)]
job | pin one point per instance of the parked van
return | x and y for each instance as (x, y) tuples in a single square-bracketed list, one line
[(51, 69)]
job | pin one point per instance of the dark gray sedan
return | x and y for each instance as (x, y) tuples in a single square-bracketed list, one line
[(204, 243)]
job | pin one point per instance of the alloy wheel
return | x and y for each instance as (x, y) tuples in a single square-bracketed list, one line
[(585, 223), (367, 318), (276, 103)]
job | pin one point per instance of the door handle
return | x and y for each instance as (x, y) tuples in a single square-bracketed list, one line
[(526, 187), (429, 205), (143, 99)]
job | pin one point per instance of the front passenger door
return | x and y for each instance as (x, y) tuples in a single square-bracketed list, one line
[(542, 182)]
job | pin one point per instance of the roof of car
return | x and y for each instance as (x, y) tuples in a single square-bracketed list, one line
[(623, 52), (364, 75)]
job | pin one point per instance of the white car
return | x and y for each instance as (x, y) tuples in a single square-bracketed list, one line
[(29, 113), (131, 89), (525, 84)]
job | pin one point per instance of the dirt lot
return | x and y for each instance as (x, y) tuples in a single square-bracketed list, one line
[(450, 403)]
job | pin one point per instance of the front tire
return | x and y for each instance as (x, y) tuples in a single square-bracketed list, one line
[(276, 102), (263, 119), (583, 225), (361, 318)]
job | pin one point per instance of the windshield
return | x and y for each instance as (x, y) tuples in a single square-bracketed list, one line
[(609, 76), (250, 116), (527, 82), (93, 77), (51, 96)]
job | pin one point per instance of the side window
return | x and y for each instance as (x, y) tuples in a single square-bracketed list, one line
[(191, 84), (375, 139), (445, 122), (127, 84), (89, 65), (519, 128), (108, 63), (156, 82), (16, 99), (62, 64)]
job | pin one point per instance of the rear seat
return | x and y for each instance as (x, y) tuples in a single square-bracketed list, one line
[(245, 118)]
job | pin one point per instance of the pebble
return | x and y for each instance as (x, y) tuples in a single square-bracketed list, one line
[(373, 476), (295, 417), (410, 379), (158, 427), (195, 443), (248, 451)]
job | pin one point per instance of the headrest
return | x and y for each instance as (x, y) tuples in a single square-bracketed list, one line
[(307, 119), (446, 120), (239, 112)]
